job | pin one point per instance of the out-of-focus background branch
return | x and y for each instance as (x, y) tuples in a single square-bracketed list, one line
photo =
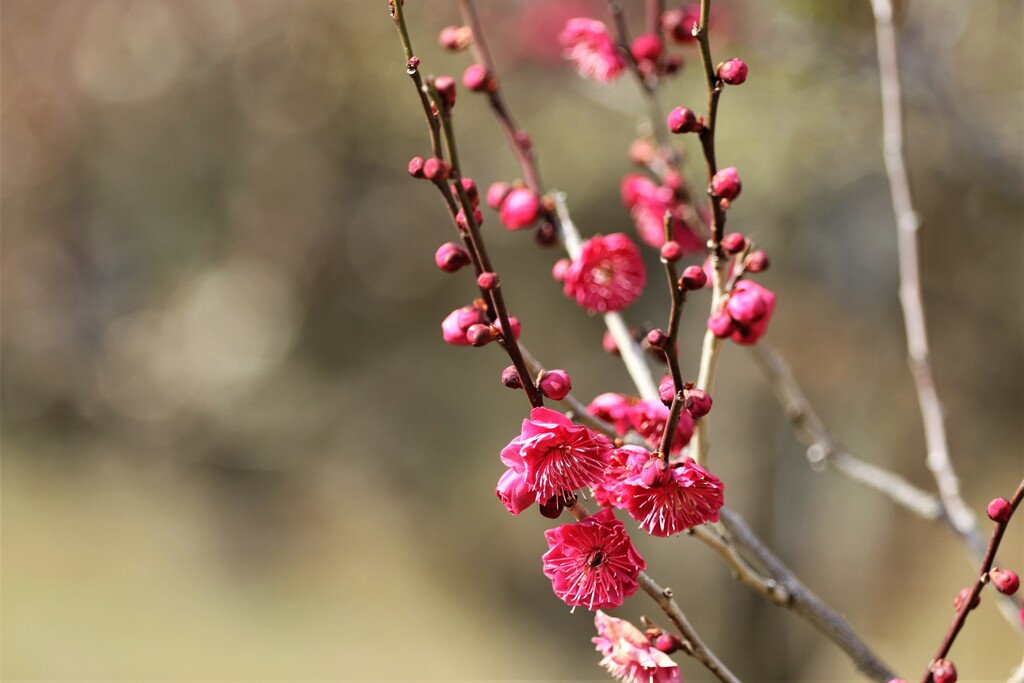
[(223, 453)]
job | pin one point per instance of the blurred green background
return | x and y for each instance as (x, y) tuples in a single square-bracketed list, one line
[(235, 447)]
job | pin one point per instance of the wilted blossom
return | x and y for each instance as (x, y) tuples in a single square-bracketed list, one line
[(629, 656), (608, 274), (592, 50), (592, 563), (681, 497), (554, 456), (648, 203), (623, 463)]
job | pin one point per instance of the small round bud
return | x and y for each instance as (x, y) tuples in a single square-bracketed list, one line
[(609, 345), (450, 257), (757, 261), (721, 325), (646, 47), (666, 390), (552, 508), (999, 510), (1005, 581), (555, 384), (510, 378), (496, 194), (671, 251), (678, 24), (734, 243), (436, 169), (668, 643), (657, 338), (416, 167), (446, 89), (520, 209), (460, 218), (558, 270), (726, 184), (477, 78), (943, 671), (471, 191), (693, 278), (545, 235), (683, 120), (455, 38), (481, 334), (487, 280), (962, 596), (697, 402), (514, 323), (413, 63), (733, 71)]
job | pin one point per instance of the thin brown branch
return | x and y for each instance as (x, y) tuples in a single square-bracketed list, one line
[(769, 589), (805, 603), (986, 564)]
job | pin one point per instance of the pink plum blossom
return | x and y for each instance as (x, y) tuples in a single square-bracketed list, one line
[(608, 274), (592, 50), (592, 563), (683, 496), (628, 655)]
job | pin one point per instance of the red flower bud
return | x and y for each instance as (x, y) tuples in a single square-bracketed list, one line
[(653, 471), (487, 280), (558, 271), (697, 402), (678, 24), (471, 191), (496, 194), (757, 261), (460, 218), (671, 251), (609, 345), (519, 209), (477, 78), (657, 338), (646, 47), (943, 671), (450, 257), (555, 384), (445, 86), (962, 596), (733, 71), (510, 378), (666, 390), (416, 167), (545, 235), (455, 38), (693, 278), (721, 325), (683, 120), (999, 510), (1005, 581), (734, 243), (552, 508), (436, 169), (668, 643), (726, 184), (481, 334)]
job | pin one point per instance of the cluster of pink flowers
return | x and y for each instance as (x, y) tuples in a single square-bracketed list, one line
[(629, 655), (648, 203), (608, 275), (646, 417)]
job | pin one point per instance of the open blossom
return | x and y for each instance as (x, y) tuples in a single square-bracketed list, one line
[(746, 314), (629, 656), (648, 203), (623, 463), (608, 274), (683, 496), (554, 456), (592, 563), (648, 418), (592, 50)]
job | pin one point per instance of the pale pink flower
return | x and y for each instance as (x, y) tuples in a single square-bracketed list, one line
[(648, 418), (592, 563), (683, 496), (629, 656), (623, 463), (592, 50), (608, 274), (555, 456)]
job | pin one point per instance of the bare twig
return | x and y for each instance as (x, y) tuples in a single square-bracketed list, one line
[(769, 589), (805, 603), (908, 223)]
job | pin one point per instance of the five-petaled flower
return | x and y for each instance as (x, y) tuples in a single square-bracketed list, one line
[(608, 274), (592, 563)]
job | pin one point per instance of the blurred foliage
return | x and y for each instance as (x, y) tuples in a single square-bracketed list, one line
[(236, 448)]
